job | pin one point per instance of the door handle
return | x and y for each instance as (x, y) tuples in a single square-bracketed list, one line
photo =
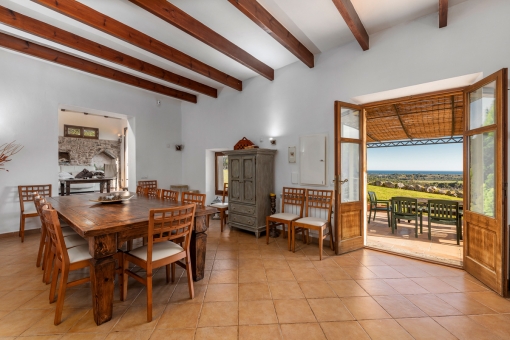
[(344, 181)]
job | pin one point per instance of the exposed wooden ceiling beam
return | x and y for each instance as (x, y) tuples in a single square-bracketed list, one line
[(443, 13), (61, 58), (97, 20), (352, 20), (259, 15), (46, 31), (183, 21), (402, 123)]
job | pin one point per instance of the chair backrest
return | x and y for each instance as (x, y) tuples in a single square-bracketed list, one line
[(26, 193), (153, 192), (52, 224), (372, 197), (293, 200), (170, 224), (404, 205), (148, 184), (443, 210), (225, 192), (319, 203), (171, 195), (191, 197), (140, 190)]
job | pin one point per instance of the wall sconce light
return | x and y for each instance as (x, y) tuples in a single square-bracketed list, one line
[(179, 147), (272, 141)]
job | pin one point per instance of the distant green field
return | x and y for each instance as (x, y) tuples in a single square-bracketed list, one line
[(387, 193)]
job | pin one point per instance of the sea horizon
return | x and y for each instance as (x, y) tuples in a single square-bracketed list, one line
[(411, 172)]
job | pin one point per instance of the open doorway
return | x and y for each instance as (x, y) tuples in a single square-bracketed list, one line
[(485, 177)]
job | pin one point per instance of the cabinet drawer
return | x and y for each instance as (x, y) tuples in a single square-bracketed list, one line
[(242, 209), (246, 220)]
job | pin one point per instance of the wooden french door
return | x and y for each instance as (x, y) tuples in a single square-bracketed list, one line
[(485, 180), (350, 165)]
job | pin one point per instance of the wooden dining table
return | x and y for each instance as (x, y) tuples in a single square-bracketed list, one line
[(108, 225)]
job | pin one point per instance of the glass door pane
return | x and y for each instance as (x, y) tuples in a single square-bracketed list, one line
[(482, 173), (350, 171), (349, 122), (481, 106)]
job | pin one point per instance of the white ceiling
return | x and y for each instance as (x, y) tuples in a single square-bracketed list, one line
[(316, 23)]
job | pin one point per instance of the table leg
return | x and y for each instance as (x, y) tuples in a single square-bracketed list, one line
[(108, 186), (62, 188), (68, 188), (102, 277), (198, 247), (101, 187)]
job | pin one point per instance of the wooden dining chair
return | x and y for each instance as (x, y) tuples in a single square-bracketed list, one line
[(153, 192), (222, 207), (293, 200), (140, 190), (191, 197), (318, 207), (444, 212), (72, 239), (148, 184), (66, 260), (26, 203), (170, 195), (165, 226)]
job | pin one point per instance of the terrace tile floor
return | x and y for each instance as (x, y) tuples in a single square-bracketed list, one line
[(258, 291), (442, 247)]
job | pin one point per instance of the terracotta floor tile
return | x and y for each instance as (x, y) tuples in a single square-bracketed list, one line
[(432, 305), (376, 287), (259, 312), (223, 276), (280, 274), (316, 289), (250, 264), (272, 263), (174, 334), (254, 291), (326, 263), (16, 298), (45, 325), (434, 285), (135, 335), (87, 324), (464, 327), (225, 255), (304, 331), (221, 292), (135, 319), (369, 261), (83, 336), (330, 309), (296, 265), (360, 273), (285, 290), (180, 316), (293, 311), (225, 264), (252, 275), (364, 308), (384, 329), (385, 272), (259, 332), (181, 294), (399, 307), (491, 300), (216, 333), (310, 274), (218, 314), (348, 330), (406, 286), (411, 271), (345, 288), (497, 323), (425, 329), (333, 273), (19, 321), (465, 304), (40, 301), (463, 284), (41, 337), (347, 261), (249, 254)]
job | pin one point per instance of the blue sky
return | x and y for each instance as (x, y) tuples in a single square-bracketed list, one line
[(445, 157)]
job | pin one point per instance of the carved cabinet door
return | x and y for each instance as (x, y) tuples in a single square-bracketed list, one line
[(248, 179), (235, 178)]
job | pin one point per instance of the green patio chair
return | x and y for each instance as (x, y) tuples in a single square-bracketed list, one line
[(406, 208), (444, 212), (378, 205)]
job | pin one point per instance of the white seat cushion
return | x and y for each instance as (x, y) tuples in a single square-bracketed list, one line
[(285, 216), (159, 251), (29, 208), (318, 222), (68, 231), (74, 241), (220, 205), (79, 253)]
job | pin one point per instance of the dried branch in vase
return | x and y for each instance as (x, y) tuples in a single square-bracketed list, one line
[(8, 150)]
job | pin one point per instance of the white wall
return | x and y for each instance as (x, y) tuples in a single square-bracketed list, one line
[(109, 128), (31, 94), (300, 101)]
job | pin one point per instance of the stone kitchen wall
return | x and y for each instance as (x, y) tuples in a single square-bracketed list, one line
[(81, 150)]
